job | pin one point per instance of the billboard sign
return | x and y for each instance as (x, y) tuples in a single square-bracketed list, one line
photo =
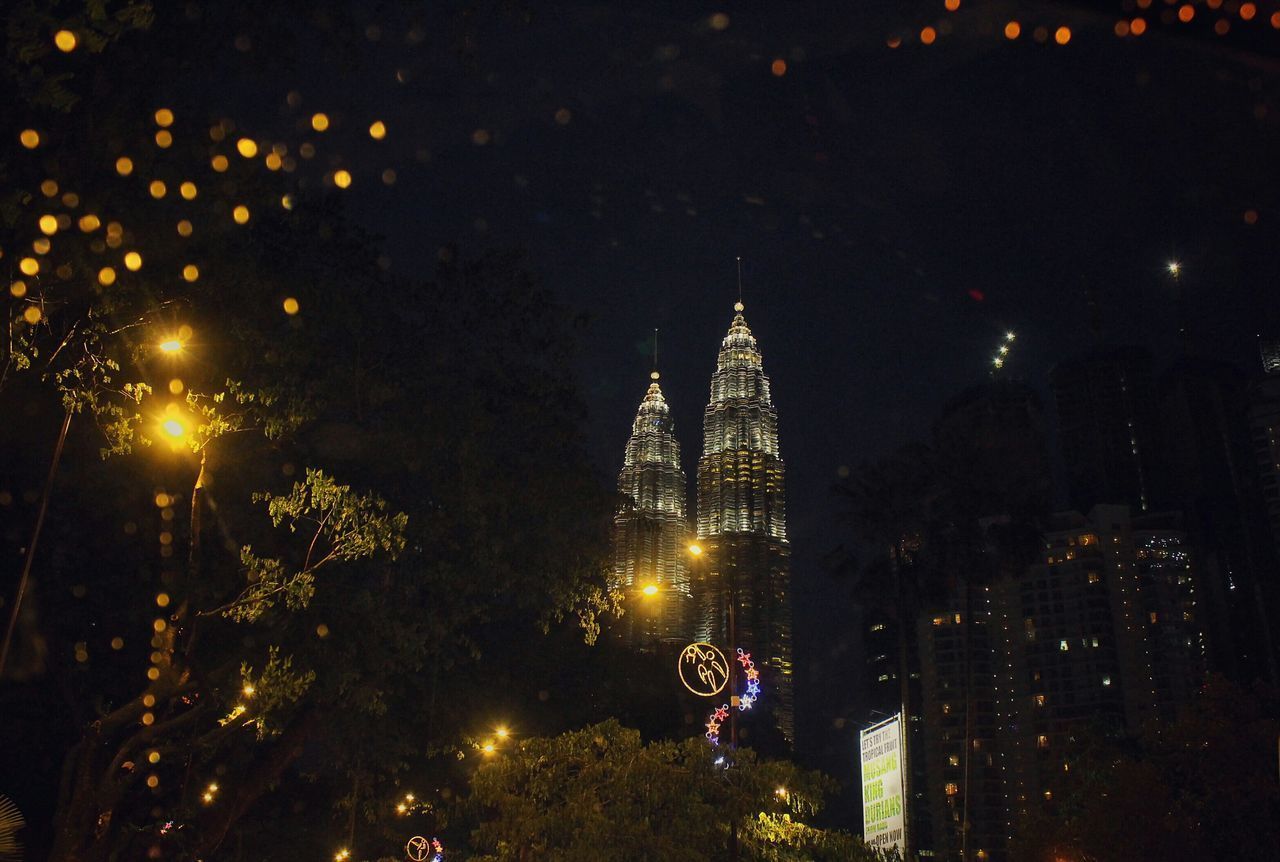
[(882, 785)]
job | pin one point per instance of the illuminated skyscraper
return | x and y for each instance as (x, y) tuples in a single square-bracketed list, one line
[(650, 532), (742, 523)]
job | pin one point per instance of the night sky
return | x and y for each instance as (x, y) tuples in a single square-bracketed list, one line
[(898, 209)]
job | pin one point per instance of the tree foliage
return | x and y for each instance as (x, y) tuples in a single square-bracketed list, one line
[(1202, 789), (321, 649), (601, 794)]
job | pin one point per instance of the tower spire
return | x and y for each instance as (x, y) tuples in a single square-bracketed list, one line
[(654, 375), (738, 306)]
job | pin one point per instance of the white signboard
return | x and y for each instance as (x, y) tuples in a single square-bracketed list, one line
[(882, 792)]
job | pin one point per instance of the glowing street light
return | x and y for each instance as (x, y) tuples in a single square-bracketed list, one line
[(1175, 268), (173, 428), (650, 589), (171, 345), (502, 732), (695, 549), (488, 748)]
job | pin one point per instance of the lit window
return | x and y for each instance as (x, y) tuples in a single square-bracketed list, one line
[(1039, 700), (1093, 577), (1063, 645), (1106, 680), (1042, 741), (878, 627), (1155, 618), (952, 789), (1048, 794), (937, 621), (953, 760)]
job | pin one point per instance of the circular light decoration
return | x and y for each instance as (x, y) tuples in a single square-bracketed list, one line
[(419, 849), (745, 701), (703, 669)]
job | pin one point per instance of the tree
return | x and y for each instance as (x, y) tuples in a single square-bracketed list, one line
[(1201, 789), (600, 794), (330, 651)]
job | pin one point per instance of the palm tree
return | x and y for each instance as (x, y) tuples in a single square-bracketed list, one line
[(889, 505)]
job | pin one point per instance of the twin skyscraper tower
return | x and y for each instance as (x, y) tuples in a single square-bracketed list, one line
[(679, 582)]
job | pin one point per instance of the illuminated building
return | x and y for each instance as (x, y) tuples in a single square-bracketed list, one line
[(742, 524), (650, 531), (1103, 629)]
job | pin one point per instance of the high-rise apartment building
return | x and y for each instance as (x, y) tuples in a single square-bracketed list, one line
[(742, 524), (1106, 422), (1264, 427), (1102, 629), (650, 533)]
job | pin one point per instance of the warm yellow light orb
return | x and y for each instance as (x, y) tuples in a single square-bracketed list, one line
[(29, 266), (341, 179), (18, 289), (273, 161), (106, 276), (1174, 267), (188, 190), (133, 261), (696, 550), (502, 732), (184, 228), (240, 214), (171, 345), (89, 223), (650, 589), (378, 130), (124, 166), (247, 147), (30, 138), (164, 139), (49, 224), (320, 122), (65, 40), (31, 314), (219, 163), (290, 306), (190, 272), (173, 428), (158, 189)]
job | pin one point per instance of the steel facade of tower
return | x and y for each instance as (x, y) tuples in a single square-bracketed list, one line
[(742, 524), (650, 532)]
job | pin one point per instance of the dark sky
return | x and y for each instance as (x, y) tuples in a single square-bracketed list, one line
[(897, 209)]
